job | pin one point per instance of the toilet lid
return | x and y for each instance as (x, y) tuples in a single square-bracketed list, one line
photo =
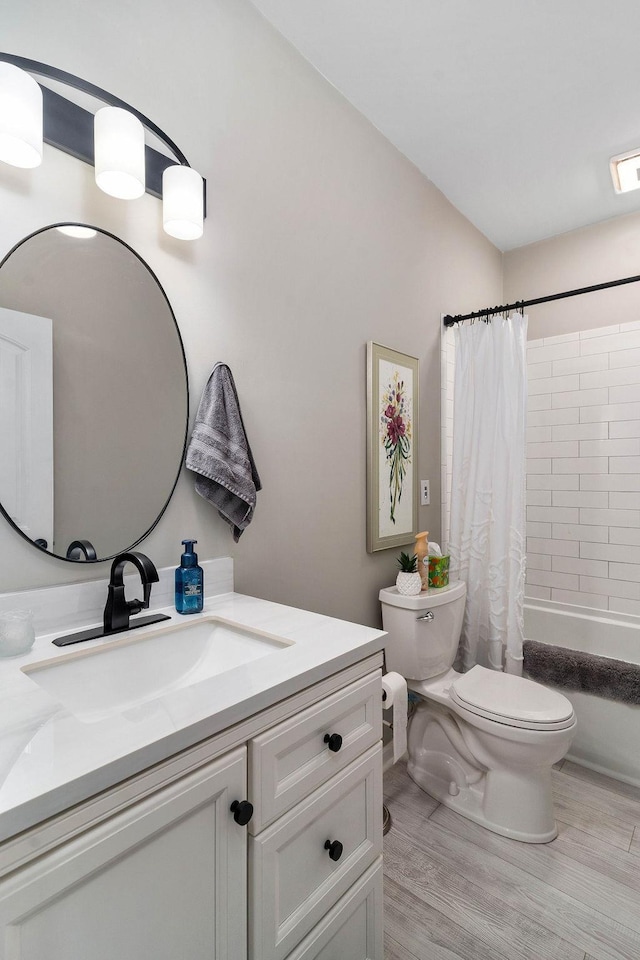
[(514, 701)]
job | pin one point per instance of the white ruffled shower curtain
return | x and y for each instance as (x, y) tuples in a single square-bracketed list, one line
[(487, 541)]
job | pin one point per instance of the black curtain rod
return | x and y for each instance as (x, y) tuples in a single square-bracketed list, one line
[(521, 304)]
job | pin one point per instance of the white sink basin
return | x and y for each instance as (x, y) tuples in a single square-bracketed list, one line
[(144, 664)]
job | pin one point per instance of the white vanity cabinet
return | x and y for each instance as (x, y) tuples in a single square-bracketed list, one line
[(163, 877), (156, 867), (309, 846)]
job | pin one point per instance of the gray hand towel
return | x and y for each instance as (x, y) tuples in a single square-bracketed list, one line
[(220, 455)]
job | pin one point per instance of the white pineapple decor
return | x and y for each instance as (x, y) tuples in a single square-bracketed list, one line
[(408, 581)]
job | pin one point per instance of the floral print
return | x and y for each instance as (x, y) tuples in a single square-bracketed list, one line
[(395, 436)]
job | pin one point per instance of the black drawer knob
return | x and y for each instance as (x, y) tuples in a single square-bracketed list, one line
[(242, 811), (335, 849), (334, 740)]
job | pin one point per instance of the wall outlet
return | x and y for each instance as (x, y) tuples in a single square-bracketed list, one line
[(425, 493)]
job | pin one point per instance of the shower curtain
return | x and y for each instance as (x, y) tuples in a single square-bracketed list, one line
[(487, 539)]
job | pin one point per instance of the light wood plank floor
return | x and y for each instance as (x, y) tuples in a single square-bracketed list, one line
[(454, 891)]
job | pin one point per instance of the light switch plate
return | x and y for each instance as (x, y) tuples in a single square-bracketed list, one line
[(425, 493)]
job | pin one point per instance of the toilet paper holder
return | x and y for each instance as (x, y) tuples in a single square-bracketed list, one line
[(394, 698)]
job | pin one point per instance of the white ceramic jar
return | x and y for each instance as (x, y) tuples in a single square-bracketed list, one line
[(17, 633)]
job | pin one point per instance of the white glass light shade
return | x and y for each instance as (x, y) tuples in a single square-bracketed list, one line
[(20, 117), (182, 202), (119, 153)]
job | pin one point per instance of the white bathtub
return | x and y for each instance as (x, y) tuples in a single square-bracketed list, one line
[(608, 735)]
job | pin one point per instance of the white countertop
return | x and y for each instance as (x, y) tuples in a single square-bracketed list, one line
[(50, 759)]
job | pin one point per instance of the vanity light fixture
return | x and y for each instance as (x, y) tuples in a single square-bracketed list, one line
[(20, 117), (182, 191), (113, 141), (625, 171), (119, 153)]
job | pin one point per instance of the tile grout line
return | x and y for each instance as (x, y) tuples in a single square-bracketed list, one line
[(602, 787), (412, 956), (612, 929), (568, 897), (475, 884), (554, 886)]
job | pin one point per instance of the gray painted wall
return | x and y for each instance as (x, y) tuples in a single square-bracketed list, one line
[(320, 236), (582, 258)]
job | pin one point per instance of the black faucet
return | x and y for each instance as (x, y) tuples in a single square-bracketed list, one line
[(118, 609)]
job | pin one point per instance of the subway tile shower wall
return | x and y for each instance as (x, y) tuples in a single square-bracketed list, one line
[(583, 468)]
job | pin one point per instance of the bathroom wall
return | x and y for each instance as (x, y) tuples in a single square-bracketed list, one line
[(584, 416), (586, 257), (320, 236), (583, 468)]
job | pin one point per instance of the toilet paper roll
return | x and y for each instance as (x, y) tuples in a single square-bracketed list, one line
[(394, 698)]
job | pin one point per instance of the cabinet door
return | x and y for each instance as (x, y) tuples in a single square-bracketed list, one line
[(290, 760), (163, 879), (296, 876), (352, 930)]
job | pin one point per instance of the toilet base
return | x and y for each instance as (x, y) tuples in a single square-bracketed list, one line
[(470, 803), (504, 786)]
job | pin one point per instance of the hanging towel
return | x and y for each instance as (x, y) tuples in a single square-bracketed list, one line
[(220, 455)]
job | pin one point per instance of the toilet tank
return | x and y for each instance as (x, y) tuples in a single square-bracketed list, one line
[(420, 646)]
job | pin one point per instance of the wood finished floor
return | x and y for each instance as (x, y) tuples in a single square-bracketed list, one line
[(454, 891)]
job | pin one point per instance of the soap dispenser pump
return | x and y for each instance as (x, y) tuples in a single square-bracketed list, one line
[(189, 581)]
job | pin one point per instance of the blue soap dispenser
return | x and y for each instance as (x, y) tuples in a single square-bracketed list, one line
[(189, 581)]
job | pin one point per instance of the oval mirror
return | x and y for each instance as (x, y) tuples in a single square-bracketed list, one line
[(93, 393)]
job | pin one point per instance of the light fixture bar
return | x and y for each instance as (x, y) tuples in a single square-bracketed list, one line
[(69, 127), (44, 70)]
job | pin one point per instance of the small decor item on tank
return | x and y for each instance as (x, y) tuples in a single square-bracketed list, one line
[(422, 553), (408, 581), (438, 571)]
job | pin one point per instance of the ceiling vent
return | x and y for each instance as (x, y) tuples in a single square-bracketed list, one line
[(625, 171)]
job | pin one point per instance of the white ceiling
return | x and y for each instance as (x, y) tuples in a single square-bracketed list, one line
[(511, 107)]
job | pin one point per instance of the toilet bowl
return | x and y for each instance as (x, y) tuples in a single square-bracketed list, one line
[(482, 743)]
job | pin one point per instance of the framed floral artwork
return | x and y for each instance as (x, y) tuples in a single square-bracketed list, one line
[(392, 438)]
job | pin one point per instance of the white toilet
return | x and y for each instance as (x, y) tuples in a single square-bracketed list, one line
[(483, 742)]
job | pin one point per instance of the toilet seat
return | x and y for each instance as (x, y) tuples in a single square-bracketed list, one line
[(510, 700)]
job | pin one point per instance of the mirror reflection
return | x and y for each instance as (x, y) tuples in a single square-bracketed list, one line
[(93, 394)]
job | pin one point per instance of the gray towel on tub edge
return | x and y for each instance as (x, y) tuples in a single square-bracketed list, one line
[(220, 455)]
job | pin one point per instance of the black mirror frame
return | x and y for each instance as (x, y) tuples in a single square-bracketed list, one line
[(146, 533)]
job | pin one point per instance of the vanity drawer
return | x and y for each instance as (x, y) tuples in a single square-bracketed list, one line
[(293, 879), (291, 759), (352, 930)]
